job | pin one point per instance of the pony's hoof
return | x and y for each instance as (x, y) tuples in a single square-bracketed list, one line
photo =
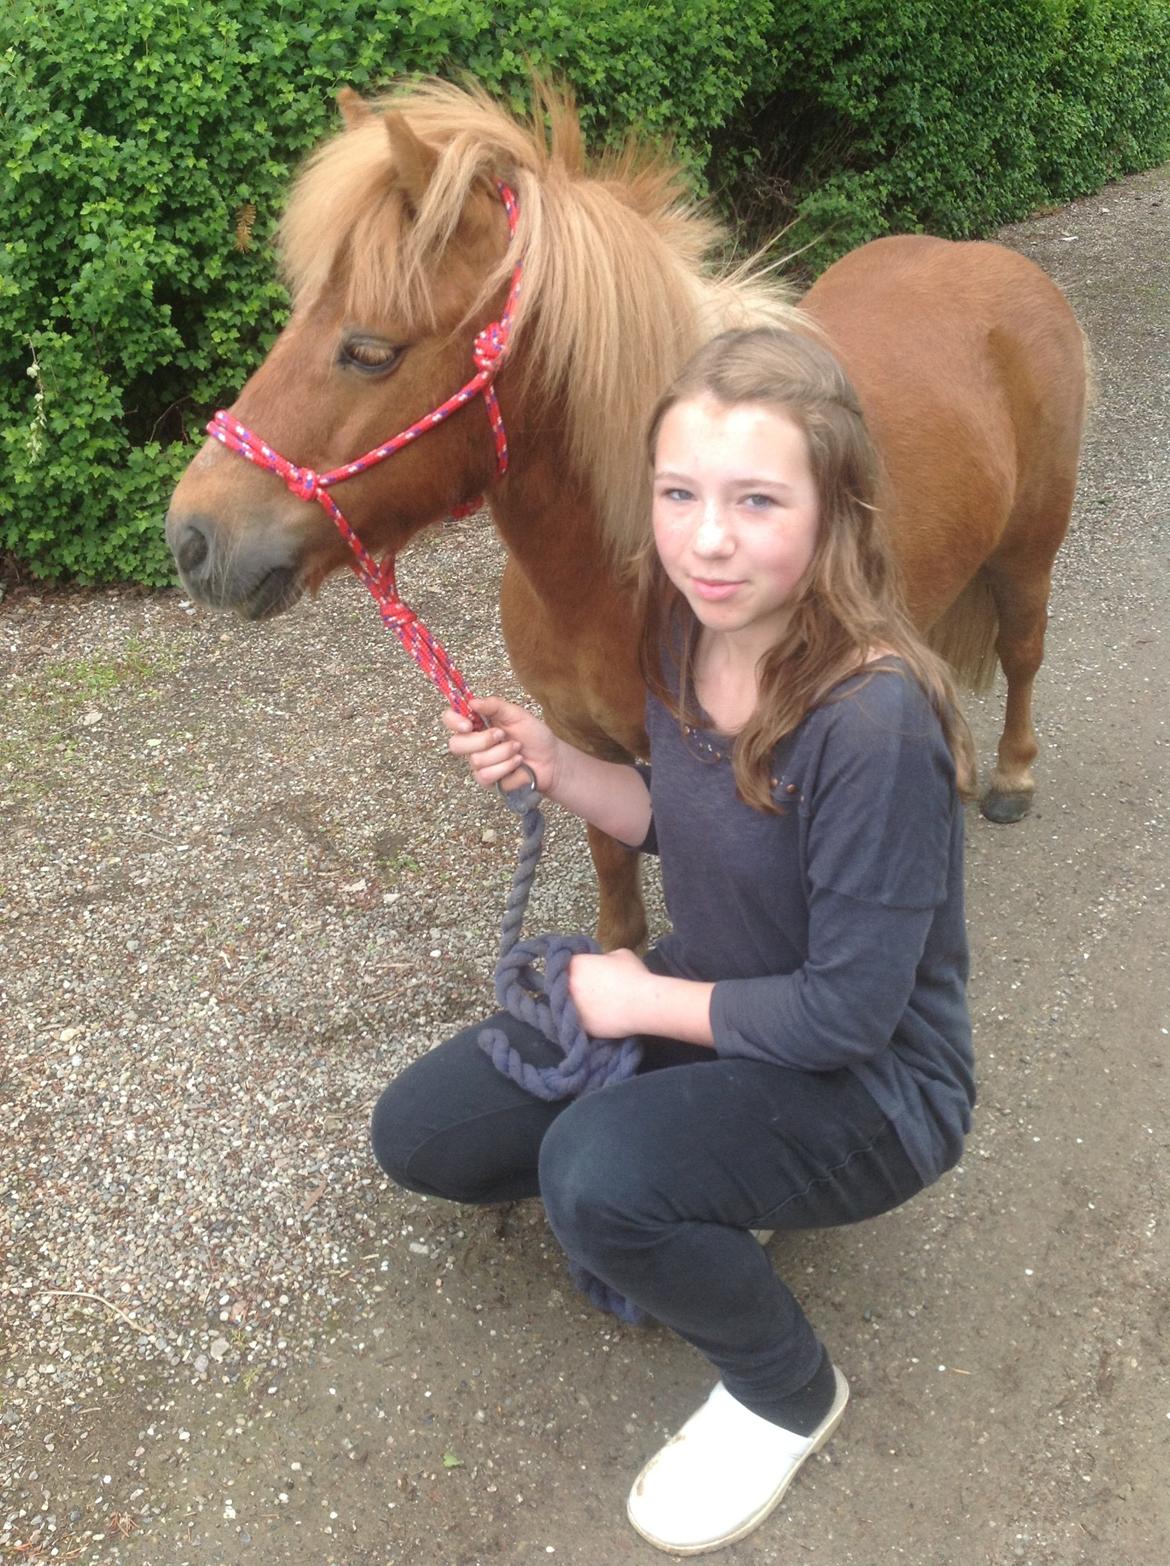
[(1007, 807)]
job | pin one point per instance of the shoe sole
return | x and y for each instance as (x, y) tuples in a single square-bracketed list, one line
[(823, 1435)]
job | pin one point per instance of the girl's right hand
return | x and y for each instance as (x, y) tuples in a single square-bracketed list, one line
[(513, 735)]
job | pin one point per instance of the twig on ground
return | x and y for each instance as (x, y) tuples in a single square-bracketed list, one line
[(84, 1294)]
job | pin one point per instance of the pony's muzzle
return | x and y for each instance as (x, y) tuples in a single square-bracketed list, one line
[(257, 577), (191, 549)]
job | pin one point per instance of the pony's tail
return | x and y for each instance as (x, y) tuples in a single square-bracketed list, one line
[(964, 635)]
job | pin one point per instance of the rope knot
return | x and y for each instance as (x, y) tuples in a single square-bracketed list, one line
[(490, 346), (303, 482), (397, 615)]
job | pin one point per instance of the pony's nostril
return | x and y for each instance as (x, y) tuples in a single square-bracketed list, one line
[(192, 548)]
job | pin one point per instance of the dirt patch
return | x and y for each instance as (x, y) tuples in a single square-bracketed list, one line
[(240, 886)]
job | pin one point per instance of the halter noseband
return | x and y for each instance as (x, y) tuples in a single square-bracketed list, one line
[(488, 350)]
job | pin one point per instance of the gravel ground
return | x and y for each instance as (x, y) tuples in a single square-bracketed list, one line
[(241, 884)]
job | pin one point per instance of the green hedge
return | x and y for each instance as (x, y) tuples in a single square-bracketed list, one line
[(950, 116), (145, 149)]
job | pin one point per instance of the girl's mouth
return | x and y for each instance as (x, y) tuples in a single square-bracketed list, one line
[(713, 591)]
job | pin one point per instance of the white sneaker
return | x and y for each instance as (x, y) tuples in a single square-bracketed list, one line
[(721, 1475)]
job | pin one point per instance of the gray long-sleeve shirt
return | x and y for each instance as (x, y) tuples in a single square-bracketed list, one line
[(835, 932)]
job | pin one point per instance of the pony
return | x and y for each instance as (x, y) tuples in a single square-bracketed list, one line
[(397, 249)]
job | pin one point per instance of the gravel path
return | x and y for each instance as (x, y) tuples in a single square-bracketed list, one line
[(236, 864), (240, 885)]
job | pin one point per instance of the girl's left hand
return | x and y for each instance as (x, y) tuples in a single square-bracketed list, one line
[(609, 991)]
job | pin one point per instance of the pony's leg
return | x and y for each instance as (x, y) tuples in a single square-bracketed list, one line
[(622, 914), (1021, 603)]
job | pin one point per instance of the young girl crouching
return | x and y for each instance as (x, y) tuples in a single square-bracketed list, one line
[(807, 1051)]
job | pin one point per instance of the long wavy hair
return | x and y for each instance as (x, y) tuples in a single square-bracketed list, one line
[(848, 602)]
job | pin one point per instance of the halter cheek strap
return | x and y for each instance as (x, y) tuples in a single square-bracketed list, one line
[(488, 350)]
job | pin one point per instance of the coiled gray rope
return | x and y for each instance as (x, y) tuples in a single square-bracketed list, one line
[(544, 1002)]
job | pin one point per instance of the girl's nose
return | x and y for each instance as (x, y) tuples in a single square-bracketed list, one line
[(712, 536)]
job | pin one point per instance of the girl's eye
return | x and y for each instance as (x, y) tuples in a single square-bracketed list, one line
[(371, 355), (759, 502), (675, 494)]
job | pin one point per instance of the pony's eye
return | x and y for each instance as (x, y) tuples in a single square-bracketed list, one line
[(372, 355)]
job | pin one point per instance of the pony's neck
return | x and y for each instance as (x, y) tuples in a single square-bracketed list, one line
[(551, 526), (568, 621)]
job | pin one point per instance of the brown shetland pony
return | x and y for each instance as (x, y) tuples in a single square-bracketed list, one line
[(969, 363)]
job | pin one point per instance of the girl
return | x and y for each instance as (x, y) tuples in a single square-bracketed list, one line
[(807, 1046)]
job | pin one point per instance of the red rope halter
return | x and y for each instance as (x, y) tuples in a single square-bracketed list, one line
[(489, 349)]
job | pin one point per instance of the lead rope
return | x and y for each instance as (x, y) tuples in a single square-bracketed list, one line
[(543, 1001)]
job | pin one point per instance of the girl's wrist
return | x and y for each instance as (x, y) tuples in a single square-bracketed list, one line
[(675, 1009), (556, 767)]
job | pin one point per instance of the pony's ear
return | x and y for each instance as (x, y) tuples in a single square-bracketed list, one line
[(414, 161), (355, 110)]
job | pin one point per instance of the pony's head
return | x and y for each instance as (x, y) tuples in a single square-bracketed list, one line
[(397, 251)]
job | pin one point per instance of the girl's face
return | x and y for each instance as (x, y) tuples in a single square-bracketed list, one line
[(735, 515)]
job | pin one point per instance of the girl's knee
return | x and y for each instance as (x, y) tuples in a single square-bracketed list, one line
[(414, 1129), (413, 1155), (592, 1181), (393, 1136), (465, 1136)]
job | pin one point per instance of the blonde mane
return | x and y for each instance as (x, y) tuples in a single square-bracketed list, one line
[(620, 280)]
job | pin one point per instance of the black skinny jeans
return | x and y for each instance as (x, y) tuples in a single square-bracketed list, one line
[(653, 1183)]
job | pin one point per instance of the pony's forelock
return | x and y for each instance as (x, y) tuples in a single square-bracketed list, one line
[(619, 282)]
